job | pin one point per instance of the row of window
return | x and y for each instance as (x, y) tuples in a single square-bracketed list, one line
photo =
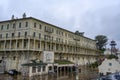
[(47, 29), (18, 44), (14, 25), (19, 25), (46, 37), (38, 69), (35, 25), (19, 35)]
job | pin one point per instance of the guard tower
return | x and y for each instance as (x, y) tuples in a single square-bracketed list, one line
[(113, 49)]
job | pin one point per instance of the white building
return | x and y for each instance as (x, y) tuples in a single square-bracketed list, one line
[(109, 66), (107, 52)]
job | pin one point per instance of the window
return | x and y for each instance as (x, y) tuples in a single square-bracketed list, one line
[(0, 45), (40, 27), (73, 58), (20, 25), (26, 24), (25, 34), (34, 25), (13, 25), (25, 44), (17, 44), (33, 69), (3, 57), (6, 35), (44, 46), (2, 27), (7, 26), (44, 68), (52, 30), (39, 69), (0, 35), (6, 45), (52, 38), (33, 34), (13, 35), (50, 67), (18, 34), (39, 35), (38, 45), (65, 34), (14, 57), (45, 28), (57, 47), (110, 64), (48, 46)]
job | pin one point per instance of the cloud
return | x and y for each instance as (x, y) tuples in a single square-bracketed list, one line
[(90, 16)]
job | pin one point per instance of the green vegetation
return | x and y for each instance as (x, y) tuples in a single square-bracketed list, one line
[(101, 42), (94, 65), (112, 57)]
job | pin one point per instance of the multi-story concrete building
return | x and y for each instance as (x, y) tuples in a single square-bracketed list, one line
[(25, 39)]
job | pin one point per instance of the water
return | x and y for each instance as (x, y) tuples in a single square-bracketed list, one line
[(84, 75)]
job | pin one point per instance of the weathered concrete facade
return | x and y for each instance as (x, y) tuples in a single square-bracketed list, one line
[(24, 39)]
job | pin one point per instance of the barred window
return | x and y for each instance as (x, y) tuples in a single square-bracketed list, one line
[(13, 25), (20, 25), (40, 27), (34, 25), (0, 35), (6, 35), (7, 26), (18, 34), (26, 24), (13, 34), (25, 34), (34, 34), (2, 27), (39, 35)]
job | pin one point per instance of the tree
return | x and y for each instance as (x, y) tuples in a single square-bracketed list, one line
[(101, 42)]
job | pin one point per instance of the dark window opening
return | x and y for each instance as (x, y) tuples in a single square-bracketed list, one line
[(18, 34), (26, 24), (39, 35), (19, 25), (40, 27), (14, 58), (7, 26), (34, 34), (38, 45), (25, 34), (17, 44), (44, 68), (34, 25), (25, 44), (6, 35), (13, 25), (33, 69), (0, 35), (2, 27), (13, 35)]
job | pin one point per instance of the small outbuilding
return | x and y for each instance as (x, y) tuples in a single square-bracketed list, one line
[(109, 66)]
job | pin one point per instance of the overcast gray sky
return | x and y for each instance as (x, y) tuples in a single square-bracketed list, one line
[(93, 17)]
